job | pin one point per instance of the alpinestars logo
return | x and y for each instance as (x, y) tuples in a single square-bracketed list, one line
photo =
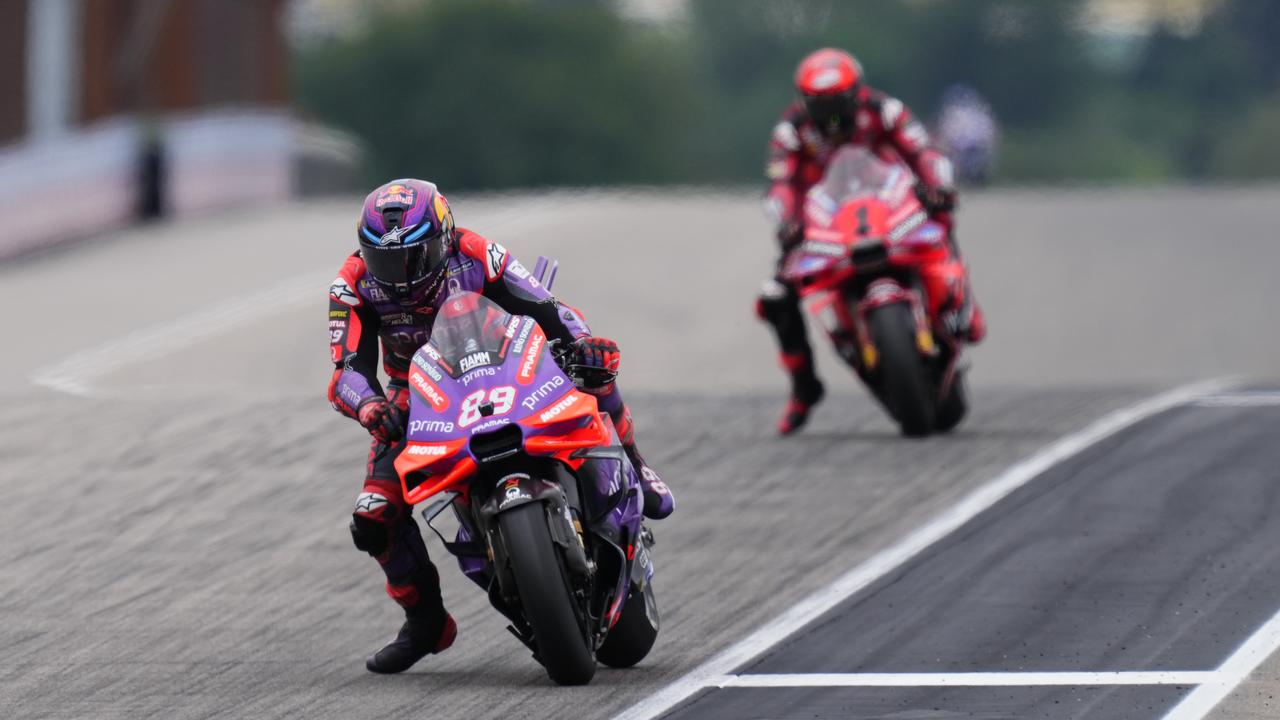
[(341, 292), (393, 235), (497, 259), (368, 502)]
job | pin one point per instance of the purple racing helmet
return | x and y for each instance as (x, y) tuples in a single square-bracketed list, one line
[(406, 237)]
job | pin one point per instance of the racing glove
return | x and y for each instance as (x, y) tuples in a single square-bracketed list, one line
[(593, 363), (383, 420), (790, 233), (936, 199)]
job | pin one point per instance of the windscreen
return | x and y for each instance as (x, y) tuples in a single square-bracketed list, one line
[(471, 332), (857, 172)]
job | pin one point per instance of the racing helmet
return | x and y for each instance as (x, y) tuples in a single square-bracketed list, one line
[(829, 82), (406, 236)]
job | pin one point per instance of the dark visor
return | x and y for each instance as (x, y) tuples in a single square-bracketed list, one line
[(401, 265), (826, 110)]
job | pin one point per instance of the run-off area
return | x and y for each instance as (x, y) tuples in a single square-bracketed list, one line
[(1139, 578)]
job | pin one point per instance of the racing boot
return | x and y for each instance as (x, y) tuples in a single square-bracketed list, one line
[(395, 541), (658, 501), (806, 392), (419, 637)]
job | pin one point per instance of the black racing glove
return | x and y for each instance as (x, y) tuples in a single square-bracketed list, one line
[(790, 233), (383, 420), (936, 199)]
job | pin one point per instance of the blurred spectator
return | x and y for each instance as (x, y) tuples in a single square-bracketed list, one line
[(968, 133)]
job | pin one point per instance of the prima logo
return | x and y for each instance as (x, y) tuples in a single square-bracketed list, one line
[(478, 373), (430, 426), (542, 392)]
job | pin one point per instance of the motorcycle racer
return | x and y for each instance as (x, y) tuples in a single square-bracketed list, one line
[(835, 107), (410, 258)]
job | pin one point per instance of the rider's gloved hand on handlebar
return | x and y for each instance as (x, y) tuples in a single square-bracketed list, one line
[(936, 199), (383, 420), (790, 233), (593, 364)]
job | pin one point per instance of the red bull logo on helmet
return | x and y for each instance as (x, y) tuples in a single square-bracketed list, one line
[(398, 194)]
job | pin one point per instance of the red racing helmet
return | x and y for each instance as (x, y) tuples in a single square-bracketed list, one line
[(829, 82)]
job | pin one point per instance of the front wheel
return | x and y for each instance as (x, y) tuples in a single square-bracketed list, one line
[(563, 645), (904, 380), (635, 632)]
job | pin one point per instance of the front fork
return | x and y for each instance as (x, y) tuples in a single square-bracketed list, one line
[(844, 317), (516, 490)]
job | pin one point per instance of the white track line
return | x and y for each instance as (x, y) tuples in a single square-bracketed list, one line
[(1240, 399), (1260, 645), (991, 679), (75, 373), (892, 557)]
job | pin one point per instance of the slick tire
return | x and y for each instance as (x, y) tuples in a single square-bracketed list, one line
[(633, 636), (904, 379), (954, 406), (541, 581)]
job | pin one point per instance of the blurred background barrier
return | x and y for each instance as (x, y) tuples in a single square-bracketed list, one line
[(142, 108), (128, 110)]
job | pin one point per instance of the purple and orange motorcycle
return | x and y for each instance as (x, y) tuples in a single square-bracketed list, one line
[(548, 505)]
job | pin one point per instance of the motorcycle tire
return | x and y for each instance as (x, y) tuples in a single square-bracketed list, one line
[(904, 380), (635, 632), (563, 647), (953, 407)]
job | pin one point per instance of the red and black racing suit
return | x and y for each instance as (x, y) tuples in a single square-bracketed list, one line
[(798, 157)]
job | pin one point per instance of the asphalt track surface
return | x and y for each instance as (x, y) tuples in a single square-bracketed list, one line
[(175, 490)]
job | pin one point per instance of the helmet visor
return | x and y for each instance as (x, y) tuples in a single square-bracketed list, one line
[(829, 111), (404, 264)]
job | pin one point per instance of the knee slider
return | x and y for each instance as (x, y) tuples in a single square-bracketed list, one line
[(370, 535)]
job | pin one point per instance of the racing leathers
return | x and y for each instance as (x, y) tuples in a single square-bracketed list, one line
[(364, 315), (798, 155)]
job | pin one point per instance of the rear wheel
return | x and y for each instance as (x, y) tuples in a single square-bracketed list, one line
[(904, 380), (954, 406), (541, 580), (634, 634)]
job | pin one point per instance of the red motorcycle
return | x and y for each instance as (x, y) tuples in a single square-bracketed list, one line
[(882, 280)]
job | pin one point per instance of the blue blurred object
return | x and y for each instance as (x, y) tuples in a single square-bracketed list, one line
[(968, 133)]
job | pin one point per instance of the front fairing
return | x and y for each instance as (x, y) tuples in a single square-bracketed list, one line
[(861, 200), (463, 387), (491, 411)]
